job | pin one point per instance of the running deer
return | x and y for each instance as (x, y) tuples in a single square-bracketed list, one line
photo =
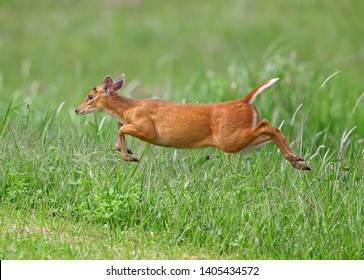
[(232, 126)]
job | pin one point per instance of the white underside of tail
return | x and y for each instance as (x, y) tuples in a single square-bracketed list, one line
[(263, 87)]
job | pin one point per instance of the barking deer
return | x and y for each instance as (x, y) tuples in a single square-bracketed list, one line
[(232, 126)]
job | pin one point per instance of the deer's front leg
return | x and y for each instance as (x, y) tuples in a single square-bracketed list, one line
[(143, 131), (118, 141)]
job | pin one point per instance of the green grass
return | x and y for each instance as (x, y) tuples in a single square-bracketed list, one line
[(66, 194)]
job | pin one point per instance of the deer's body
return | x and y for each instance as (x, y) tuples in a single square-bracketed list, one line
[(231, 126)]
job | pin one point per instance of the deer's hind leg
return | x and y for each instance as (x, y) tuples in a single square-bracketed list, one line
[(264, 131), (261, 134), (259, 142)]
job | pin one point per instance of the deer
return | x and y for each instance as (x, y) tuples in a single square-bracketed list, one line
[(231, 126)]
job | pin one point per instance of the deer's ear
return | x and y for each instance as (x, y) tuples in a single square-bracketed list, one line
[(107, 84), (118, 83)]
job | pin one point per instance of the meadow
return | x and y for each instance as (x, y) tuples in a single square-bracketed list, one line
[(65, 193)]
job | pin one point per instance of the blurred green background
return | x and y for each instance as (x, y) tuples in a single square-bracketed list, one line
[(68, 46)]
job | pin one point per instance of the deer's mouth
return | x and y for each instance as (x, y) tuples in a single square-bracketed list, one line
[(79, 112)]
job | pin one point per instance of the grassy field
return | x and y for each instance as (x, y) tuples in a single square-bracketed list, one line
[(66, 194)]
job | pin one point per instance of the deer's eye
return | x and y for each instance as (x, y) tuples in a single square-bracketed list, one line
[(90, 97)]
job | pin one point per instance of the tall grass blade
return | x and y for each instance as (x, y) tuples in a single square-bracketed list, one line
[(295, 113), (357, 103), (324, 83), (4, 122), (101, 124), (317, 151), (60, 107), (47, 124), (344, 138)]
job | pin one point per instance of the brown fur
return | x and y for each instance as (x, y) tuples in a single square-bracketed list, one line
[(231, 126)]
